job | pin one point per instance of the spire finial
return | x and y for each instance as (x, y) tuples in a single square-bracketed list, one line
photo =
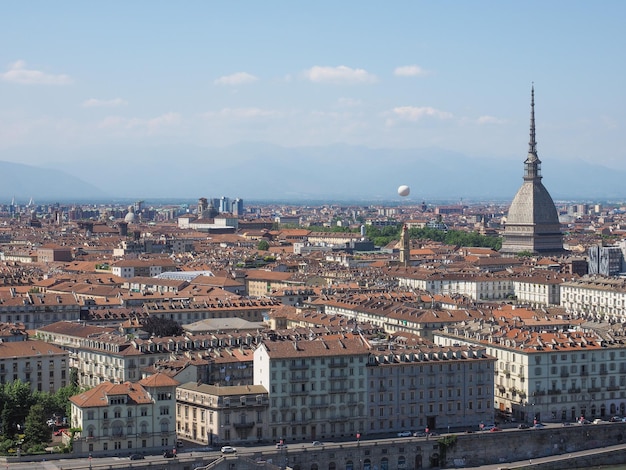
[(532, 165), (532, 145)]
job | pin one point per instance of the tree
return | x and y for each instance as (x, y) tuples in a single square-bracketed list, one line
[(263, 245), (19, 399), (37, 431), (162, 327)]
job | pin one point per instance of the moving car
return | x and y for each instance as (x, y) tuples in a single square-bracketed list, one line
[(281, 446), (317, 443), (136, 457), (168, 454), (228, 450), (523, 426), (495, 429), (404, 434)]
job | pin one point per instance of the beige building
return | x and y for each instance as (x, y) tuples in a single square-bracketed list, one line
[(44, 366), (598, 296), (215, 415), (126, 418), (317, 388), (555, 376)]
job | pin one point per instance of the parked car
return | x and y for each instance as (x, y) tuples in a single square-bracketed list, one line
[(404, 434), (598, 421), (419, 434), (487, 427), (168, 454), (281, 446), (136, 457), (228, 450), (615, 419), (522, 426), (317, 443), (495, 429)]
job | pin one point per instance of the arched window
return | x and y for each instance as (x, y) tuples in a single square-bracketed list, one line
[(332, 466), (401, 461), (384, 464), (367, 464), (164, 425), (349, 465)]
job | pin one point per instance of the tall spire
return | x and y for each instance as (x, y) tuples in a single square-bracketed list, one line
[(532, 145), (532, 165)]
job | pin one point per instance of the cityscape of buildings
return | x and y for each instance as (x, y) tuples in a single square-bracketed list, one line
[(296, 326)]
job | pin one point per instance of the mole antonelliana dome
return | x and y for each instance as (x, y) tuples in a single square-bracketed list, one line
[(532, 223)]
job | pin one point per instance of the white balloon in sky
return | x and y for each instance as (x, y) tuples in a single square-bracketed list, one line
[(404, 190)]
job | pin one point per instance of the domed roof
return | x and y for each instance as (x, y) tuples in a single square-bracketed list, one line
[(130, 217), (532, 205)]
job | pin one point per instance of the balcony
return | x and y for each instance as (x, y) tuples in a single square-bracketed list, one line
[(554, 391), (299, 378), (573, 390), (298, 366), (538, 393), (603, 372), (564, 374), (594, 389), (612, 388), (334, 365)]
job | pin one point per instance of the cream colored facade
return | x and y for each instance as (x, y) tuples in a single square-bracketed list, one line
[(317, 389), (43, 366), (127, 418), (559, 380), (602, 297), (215, 415), (533, 290)]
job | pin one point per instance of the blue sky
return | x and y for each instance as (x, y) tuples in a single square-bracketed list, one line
[(403, 74)]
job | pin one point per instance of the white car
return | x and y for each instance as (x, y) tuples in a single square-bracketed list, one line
[(228, 450), (405, 434)]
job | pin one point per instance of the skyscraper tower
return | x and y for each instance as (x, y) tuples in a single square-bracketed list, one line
[(532, 224)]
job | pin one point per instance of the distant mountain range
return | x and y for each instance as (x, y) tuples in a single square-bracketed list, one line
[(268, 172), (25, 182)]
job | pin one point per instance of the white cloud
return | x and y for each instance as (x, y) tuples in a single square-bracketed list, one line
[(341, 74), (150, 125), (241, 113), (348, 102), (489, 120), (96, 103), (410, 71), (239, 78), (414, 113), (18, 73)]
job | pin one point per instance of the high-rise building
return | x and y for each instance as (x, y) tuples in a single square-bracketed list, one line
[(532, 224)]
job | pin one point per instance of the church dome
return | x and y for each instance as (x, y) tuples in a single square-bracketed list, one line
[(130, 217)]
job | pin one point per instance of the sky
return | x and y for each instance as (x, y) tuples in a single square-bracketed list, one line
[(456, 75)]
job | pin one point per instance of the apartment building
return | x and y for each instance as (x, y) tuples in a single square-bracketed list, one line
[(126, 418), (598, 296), (130, 268), (550, 375), (317, 388), (43, 366), (37, 309), (534, 288), (216, 415), (430, 387), (186, 311), (260, 282)]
